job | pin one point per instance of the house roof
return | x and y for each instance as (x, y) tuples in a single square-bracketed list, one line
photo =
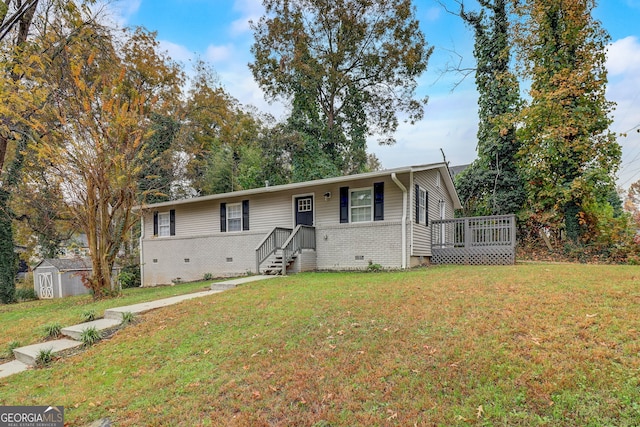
[(455, 170), (70, 264), (444, 170)]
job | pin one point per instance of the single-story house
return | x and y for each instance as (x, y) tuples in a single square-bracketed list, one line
[(57, 278), (340, 223)]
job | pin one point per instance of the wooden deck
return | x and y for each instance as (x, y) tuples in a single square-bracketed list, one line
[(484, 240)]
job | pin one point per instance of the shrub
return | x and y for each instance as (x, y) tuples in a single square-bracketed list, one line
[(374, 267), (52, 330), (129, 276), (44, 357), (88, 315), (12, 346), (127, 317), (207, 276), (90, 336), (26, 294)]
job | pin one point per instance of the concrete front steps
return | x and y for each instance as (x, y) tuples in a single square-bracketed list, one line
[(26, 356), (75, 331), (29, 354)]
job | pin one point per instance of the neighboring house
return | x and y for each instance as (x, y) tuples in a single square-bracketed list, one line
[(337, 223), (456, 170), (57, 278), (77, 246)]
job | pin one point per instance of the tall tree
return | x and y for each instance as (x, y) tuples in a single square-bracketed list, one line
[(43, 224), (104, 106), (27, 45), (219, 137), (354, 63), (569, 154), (158, 174), (492, 184)]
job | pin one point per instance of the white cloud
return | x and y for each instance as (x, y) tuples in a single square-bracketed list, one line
[(218, 54), (249, 7), (450, 123), (623, 56), (241, 26), (177, 52), (251, 10), (117, 12), (623, 66)]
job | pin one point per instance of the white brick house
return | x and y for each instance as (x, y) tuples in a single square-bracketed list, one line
[(344, 223)]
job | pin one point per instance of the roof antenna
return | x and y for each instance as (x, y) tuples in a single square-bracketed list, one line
[(444, 158)]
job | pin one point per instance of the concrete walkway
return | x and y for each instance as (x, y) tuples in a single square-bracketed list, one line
[(26, 356)]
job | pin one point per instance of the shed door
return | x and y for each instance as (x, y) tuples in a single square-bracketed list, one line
[(45, 284), (304, 210)]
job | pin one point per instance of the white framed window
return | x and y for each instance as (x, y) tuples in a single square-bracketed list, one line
[(305, 204), (422, 206), (361, 205), (164, 224), (234, 217), (438, 179)]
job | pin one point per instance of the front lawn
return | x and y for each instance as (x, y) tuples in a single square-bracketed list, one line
[(24, 322), (555, 345)]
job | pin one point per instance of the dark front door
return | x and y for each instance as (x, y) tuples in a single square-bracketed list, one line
[(304, 210)]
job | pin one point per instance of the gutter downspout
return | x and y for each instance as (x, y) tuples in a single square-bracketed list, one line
[(141, 249), (404, 219)]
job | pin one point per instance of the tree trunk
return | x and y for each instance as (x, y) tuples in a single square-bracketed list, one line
[(4, 143), (7, 254)]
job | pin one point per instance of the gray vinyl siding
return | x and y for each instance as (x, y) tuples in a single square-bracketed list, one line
[(270, 210), (421, 233), (328, 211)]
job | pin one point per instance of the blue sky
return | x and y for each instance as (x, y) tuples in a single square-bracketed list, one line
[(218, 31)]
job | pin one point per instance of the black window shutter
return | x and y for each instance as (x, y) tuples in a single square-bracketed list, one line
[(155, 223), (426, 207), (245, 215), (172, 222), (344, 205), (223, 217), (417, 204), (378, 201)]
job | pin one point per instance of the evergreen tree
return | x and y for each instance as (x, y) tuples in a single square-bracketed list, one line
[(492, 184), (156, 178)]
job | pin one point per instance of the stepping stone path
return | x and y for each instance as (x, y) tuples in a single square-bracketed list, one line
[(26, 356)]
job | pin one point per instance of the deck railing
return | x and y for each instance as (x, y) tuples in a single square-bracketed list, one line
[(271, 243), (474, 240), (303, 237)]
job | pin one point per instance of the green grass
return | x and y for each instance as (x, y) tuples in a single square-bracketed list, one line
[(25, 321), (528, 345)]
